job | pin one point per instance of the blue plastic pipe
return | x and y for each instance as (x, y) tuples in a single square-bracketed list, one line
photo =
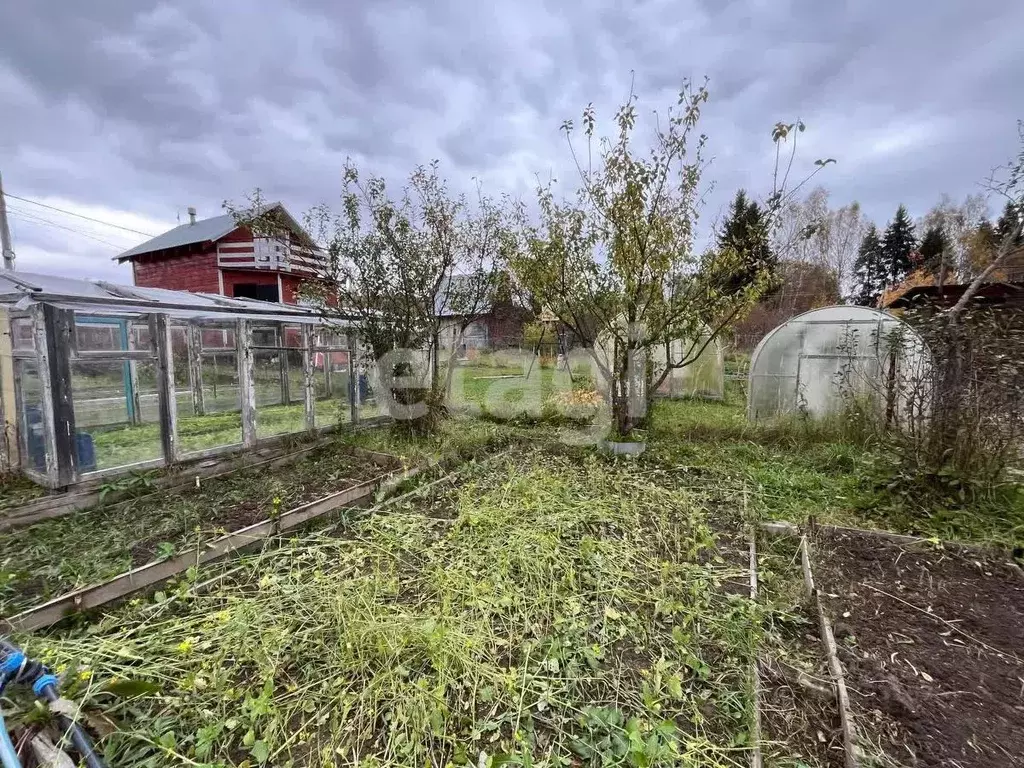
[(8, 757)]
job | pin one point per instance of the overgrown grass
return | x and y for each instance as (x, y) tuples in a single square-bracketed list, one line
[(798, 468), (548, 611), (16, 490), (791, 470), (55, 556), (454, 437)]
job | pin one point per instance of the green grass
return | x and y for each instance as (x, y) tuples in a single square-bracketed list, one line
[(454, 437), (16, 490), (797, 469), (550, 610)]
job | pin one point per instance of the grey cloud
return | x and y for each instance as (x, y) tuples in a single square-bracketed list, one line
[(149, 106)]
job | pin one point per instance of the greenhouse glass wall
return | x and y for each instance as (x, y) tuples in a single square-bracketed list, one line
[(704, 377), (814, 362), (99, 379)]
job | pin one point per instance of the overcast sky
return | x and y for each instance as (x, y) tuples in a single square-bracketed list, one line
[(130, 110)]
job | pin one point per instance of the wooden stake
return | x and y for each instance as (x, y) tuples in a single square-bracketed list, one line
[(755, 753), (246, 382), (160, 337), (195, 369), (308, 384)]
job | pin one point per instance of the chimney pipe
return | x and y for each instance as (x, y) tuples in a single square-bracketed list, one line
[(191, 215)]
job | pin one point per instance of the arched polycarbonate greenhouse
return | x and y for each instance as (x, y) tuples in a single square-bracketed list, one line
[(702, 376), (816, 362)]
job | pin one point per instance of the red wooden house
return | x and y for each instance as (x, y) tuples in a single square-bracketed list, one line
[(220, 257)]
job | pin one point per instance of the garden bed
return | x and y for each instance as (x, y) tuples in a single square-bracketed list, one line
[(931, 641), (59, 555), (546, 606)]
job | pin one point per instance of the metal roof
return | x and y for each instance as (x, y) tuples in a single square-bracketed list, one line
[(24, 289), (186, 234), (203, 231)]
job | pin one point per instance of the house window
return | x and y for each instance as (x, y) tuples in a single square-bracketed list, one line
[(254, 291)]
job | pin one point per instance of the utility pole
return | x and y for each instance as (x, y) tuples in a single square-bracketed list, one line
[(5, 231)]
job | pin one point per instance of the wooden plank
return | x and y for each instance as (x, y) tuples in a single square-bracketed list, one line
[(153, 573), (353, 382), (9, 459), (282, 361), (46, 398), (58, 331), (849, 733), (308, 387), (246, 382), (755, 672), (133, 373), (114, 354), (160, 338)]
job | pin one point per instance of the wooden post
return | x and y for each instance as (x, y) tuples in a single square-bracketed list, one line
[(353, 385), (246, 376), (282, 349), (8, 422), (308, 391), (53, 329), (195, 368), (160, 338), (133, 374)]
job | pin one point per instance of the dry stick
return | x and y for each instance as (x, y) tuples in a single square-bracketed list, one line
[(755, 754), (832, 654), (949, 624)]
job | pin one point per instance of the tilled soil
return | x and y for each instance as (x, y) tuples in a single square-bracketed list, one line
[(933, 644)]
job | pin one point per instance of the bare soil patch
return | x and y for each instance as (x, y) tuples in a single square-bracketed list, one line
[(932, 643)]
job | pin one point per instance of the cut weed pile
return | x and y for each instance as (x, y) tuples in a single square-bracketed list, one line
[(546, 611), (456, 437), (58, 555)]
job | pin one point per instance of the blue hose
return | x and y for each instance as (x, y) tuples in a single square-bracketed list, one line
[(8, 757)]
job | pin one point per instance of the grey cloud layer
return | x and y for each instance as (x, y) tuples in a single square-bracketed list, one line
[(147, 107)]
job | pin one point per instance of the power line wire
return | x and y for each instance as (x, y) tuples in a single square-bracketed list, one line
[(29, 219), (36, 217), (78, 215)]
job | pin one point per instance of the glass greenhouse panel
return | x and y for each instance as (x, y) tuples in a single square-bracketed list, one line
[(109, 432), (22, 334), (818, 362), (704, 377), (30, 415)]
